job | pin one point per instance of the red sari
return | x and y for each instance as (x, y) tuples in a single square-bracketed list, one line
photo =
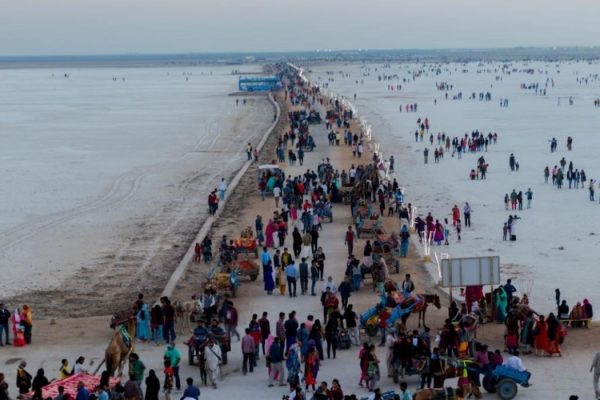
[(312, 368), (541, 339)]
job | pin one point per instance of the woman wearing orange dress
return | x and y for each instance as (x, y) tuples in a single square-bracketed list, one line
[(311, 368), (540, 332)]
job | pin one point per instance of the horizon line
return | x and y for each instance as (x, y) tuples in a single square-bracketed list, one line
[(284, 52)]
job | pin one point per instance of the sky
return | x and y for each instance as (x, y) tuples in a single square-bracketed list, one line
[(81, 27)]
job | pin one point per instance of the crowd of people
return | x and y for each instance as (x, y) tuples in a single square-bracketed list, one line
[(294, 348)]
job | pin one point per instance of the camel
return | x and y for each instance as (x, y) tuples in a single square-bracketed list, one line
[(121, 345), (183, 311)]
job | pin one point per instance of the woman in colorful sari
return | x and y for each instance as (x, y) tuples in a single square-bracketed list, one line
[(294, 213), (18, 338), (268, 277), (143, 323), (311, 369), (438, 236), (501, 302), (540, 333), (269, 234), (292, 363)]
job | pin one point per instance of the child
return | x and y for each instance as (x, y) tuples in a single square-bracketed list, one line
[(458, 229), (505, 231), (404, 393), (168, 384)]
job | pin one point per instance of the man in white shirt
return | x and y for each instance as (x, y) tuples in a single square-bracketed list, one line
[(222, 188), (330, 284), (276, 195), (515, 362), (352, 174), (79, 368)]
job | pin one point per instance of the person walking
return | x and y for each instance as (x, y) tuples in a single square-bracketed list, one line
[(169, 314), (276, 195), (314, 277), (349, 240), (291, 273), (4, 318), (136, 368), (248, 352), (303, 271), (467, 214), (344, 289), (173, 356), (275, 359), (529, 196), (222, 188), (291, 330), (213, 359), (152, 386), (231, 320), (350, 318), (265, 330)]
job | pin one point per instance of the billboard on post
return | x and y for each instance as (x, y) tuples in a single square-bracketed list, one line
[(470, 271)]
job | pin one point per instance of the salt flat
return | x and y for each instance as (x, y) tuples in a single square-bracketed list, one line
[(557, 236), (105, 172)]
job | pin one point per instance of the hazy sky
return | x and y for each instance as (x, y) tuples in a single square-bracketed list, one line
[(49, 27)]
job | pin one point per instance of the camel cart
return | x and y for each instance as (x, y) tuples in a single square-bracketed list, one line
[(246, 243), (224, 281), (387, 246), (243, 267)]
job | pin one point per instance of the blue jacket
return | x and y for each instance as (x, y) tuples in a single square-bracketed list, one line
[(191, 391), (82, 394)]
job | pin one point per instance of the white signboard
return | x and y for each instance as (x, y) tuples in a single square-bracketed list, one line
[(470, 271)]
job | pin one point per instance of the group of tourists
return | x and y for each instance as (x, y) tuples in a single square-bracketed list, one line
[(21, 320)]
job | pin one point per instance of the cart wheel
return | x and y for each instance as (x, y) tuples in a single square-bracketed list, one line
[(191, 355), (506, 389), (489, 384), (253, 277)]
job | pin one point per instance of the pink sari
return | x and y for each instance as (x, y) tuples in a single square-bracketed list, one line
[(269, 234)]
